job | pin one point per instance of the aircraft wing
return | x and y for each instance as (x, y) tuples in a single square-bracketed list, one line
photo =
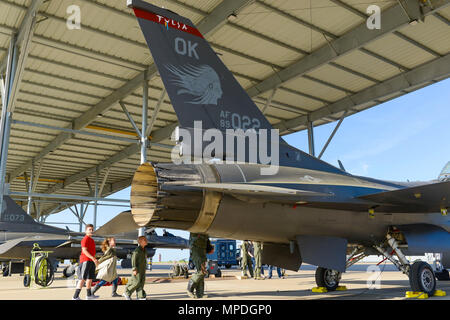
[(9, 248), (8, 245), (168, 242), (425, 198)]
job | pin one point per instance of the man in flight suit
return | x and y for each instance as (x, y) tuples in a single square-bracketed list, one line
[(246, 261), (198, 244), (257, 247), (139, 265)]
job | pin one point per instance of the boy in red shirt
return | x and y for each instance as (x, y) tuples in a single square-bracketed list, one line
[(87, 264)]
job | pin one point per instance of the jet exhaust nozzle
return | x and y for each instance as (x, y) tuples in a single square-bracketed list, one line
[(160, 196)]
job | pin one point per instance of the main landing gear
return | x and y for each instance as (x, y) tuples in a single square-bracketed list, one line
[(422, 277), (329, 279), (421, 274)]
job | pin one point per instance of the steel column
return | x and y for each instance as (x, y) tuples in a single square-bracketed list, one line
[(311, 138), (130, 118), (95, 202), (63, 196), (144, 137), (269, 101), (81, 219), (332, 134), (155, 113), (30, 189), (4, 156)]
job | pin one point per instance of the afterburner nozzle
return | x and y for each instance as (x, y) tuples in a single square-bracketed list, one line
[(161, 196)]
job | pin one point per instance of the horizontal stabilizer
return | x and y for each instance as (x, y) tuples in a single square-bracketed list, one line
[(8, 245), (120, 224), (425, 198), (43, 241), (246, 189)]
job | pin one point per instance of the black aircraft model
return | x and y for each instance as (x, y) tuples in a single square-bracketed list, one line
[(19, 232), (305, 211)]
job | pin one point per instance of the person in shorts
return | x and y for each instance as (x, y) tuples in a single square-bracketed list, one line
[(88, 264)]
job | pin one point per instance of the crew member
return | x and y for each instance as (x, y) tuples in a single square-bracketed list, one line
[(257, 247), (139, 265), (246, 259), (199, 246)]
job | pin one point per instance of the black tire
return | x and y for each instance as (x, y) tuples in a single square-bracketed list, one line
[(327, 278), (5, 271), (422, 278), (219, 273), (125, 263), (26, 280), (228, 266), (68, 271), (443, 275)]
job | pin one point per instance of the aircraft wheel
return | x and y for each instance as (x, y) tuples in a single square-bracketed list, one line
[(443, 275), (327, 278), (422, 278), (5, 271), (125, 263), (26, 280), (68, 271)]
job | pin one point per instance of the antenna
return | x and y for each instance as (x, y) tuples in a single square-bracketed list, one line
[(341, 166)]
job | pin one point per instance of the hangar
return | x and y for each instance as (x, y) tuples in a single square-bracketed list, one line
[(79, 96)]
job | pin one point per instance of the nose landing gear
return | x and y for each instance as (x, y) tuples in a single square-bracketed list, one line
[(327, 278)]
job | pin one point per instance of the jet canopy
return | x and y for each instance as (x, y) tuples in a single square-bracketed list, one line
[(445, 173)]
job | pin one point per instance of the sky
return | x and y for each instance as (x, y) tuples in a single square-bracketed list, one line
[(405, 139)]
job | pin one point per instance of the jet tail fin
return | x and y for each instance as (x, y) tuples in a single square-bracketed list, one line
[(200, 86), (13, 213), (203, 90)]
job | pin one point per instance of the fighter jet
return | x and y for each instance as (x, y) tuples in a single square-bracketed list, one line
[(302, 208), (19, 232)]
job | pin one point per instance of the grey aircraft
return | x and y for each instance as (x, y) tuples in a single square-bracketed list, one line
[(308, 211), (19, 232)]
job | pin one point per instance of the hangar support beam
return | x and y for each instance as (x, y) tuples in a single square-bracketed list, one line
[(411, 80), (311, 143), (393, 19), (333, 134), (15, 62)]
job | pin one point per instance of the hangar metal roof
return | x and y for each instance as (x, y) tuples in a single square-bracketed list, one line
[(300, 60)]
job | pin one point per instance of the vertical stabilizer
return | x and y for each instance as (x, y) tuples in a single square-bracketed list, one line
[(203, 90), (13, 213)]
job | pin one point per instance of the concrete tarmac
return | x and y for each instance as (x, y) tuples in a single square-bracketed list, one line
[(361, 285)]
